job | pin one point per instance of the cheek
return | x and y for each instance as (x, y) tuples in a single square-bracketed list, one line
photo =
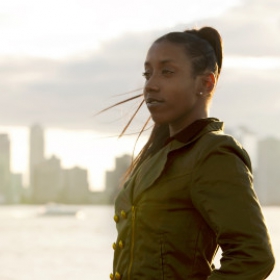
[(183, 96)]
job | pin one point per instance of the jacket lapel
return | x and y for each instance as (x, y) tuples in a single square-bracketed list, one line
[(150, 170), (153, 167)]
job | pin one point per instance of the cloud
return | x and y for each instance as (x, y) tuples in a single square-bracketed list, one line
[(250, 28), (67, 93), (249, 98)]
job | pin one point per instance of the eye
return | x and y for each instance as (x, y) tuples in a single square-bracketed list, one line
[(167, 72), (146, 74)]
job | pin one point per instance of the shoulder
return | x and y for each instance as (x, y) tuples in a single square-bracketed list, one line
[(220, 138), (223, 145)]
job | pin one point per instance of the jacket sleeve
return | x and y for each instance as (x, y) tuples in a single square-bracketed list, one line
[(222, 191)]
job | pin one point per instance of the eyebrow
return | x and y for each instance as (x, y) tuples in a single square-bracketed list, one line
[(164, 61)]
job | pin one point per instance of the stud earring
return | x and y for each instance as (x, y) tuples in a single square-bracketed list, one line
[(201, 93)]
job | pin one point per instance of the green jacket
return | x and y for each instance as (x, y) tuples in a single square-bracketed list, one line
[(185, 201)]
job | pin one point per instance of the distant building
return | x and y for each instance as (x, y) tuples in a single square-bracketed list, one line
[(76, 187), (10, 184), (5, 172), (268, 175), (16, 191), (113, 178), (249, 141), (47, 181), (36, 152)]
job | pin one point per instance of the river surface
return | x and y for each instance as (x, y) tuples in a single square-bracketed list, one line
[(34, 247)]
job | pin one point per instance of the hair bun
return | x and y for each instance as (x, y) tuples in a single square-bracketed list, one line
[(212, 36)]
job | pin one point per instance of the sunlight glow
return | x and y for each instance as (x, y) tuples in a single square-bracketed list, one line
[(261, 63)]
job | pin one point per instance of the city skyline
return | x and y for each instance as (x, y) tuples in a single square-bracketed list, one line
[(50, 77), (50, 180), (87, 145), (73, 148)]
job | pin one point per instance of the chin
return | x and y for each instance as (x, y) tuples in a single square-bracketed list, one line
[(159, 121)]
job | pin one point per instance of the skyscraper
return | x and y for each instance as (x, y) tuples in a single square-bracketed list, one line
[(36, 152), (268, 179), (75, 186), (5, 172), (48, 181), (114, 177)]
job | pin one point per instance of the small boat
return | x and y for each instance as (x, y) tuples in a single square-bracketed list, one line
[(54, 209)]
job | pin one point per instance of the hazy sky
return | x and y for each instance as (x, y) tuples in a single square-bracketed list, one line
[(62, 61), (59, 28)]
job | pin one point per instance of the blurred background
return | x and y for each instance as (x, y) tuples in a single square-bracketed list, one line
[(61, 62)]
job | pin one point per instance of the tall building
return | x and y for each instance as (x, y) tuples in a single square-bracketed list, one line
[(48, 181), (76, 187), (114, 177), (268, 175), (36, 152), (5, 172), (16, 191), (249, 141)]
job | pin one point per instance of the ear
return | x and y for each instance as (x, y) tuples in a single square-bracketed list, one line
[(208, 83)]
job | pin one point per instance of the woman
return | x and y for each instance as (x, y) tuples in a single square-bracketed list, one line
[(190, 189)]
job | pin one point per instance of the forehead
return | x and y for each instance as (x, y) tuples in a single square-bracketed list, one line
[(164, 52)]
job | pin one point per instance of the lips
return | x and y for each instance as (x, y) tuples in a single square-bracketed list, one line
[(153, 101)]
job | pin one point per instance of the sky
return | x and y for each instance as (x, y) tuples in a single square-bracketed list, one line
[(63, 61)]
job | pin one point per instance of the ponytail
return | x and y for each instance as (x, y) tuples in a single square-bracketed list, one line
[(213, 37)]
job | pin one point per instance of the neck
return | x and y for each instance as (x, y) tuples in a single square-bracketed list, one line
[(175, 128)]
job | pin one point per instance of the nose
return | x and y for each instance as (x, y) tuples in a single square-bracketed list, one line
[(152, 84)]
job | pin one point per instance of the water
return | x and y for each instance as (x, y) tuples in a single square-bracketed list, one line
[(69, 247)]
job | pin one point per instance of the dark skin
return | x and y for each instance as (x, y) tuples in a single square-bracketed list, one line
[(172, 93)]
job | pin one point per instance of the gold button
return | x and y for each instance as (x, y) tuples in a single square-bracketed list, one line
[(111, 276), (123, 214), (114, 246), (116, 218), (121, 244), (118, 276)]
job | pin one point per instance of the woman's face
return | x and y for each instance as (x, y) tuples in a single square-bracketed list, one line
[(171, 92)]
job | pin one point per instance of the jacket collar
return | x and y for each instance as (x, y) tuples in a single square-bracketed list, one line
[(192, 130), (153, 167)]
